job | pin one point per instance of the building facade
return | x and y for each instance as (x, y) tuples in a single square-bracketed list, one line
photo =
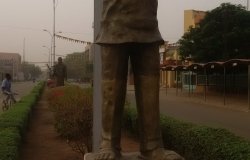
[(192, 18), (10, 63), (169, 55), (80, 64)]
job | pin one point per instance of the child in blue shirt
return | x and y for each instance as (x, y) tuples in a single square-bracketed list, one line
[(6, 88)]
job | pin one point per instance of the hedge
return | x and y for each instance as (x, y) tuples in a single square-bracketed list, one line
[(9, 143), (195, 142), (14, 122)]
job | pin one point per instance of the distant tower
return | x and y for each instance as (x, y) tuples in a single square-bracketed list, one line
[(192, 18)]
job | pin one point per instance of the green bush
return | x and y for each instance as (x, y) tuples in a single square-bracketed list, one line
[(195, 142), (9, 144), (14, 122)]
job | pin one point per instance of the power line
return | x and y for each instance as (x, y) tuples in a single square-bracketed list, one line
[(76, 32), (73, 40)]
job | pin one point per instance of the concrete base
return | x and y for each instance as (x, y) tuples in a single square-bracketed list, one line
[(125, 156)]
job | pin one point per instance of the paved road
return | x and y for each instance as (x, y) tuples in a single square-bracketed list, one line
[(237, 122), (22, 88)]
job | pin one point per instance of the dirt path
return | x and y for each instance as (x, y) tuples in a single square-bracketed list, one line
[(42, 142)]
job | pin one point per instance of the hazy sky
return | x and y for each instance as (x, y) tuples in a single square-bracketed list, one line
[(26, 19)]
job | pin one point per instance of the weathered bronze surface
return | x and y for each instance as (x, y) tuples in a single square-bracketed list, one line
[(128, 156), (134, 156), (129, 31), (129, 21), (60, 72)]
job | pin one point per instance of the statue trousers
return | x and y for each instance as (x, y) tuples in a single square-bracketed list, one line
[(144, 58)]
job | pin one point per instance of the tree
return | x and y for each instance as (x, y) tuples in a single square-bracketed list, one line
[(223, 34), (30, 71)]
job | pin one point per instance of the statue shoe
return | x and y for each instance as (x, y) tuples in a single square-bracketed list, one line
[(107, 154)]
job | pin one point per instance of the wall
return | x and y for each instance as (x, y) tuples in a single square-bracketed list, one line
[(192, 18)]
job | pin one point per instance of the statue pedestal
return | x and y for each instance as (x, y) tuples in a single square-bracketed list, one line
[(125, 156)]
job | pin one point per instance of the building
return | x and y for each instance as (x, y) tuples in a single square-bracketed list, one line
[(169, 55), (10, 63), (192, 18), (89, 51), (80, 64)]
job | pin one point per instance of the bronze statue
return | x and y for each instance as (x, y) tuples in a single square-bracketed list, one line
[(60, 72), (129, 30)]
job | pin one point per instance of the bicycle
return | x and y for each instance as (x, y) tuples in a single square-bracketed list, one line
[(8, 101)]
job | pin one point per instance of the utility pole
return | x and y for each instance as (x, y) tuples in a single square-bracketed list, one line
[(13, 69), (54, 29), (97, 100), (49, 56), (24, 67)]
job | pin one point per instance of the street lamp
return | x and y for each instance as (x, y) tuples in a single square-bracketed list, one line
[(49, 62), (51, 45), (54, 30), (53, 51), (53, 40)]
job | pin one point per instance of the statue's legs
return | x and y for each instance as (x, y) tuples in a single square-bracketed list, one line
[(114, 78), (145, 64), (146, 67)]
